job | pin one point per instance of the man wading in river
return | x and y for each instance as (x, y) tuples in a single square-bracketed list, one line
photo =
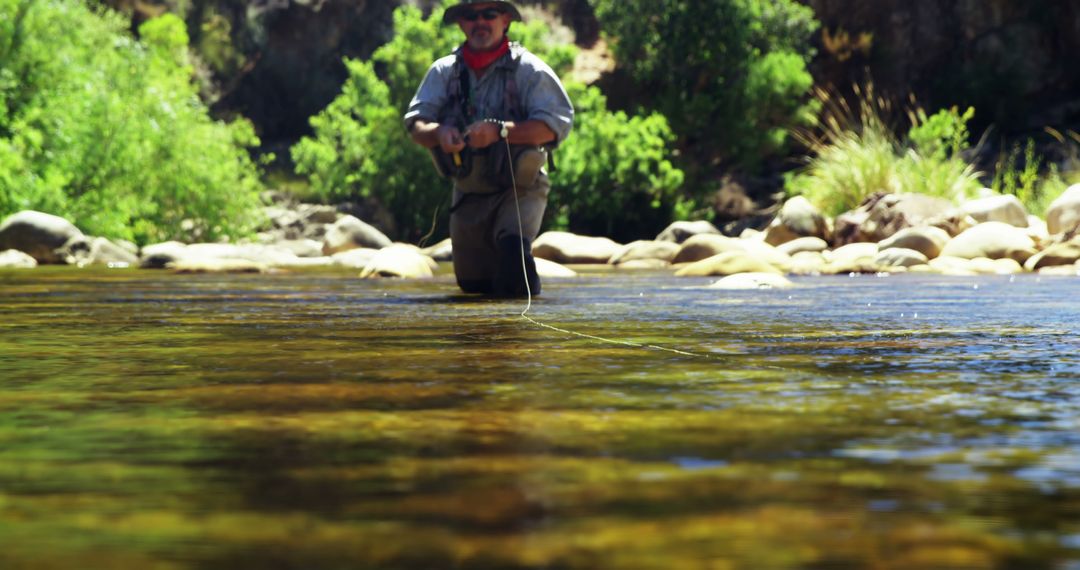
[(490, 106)]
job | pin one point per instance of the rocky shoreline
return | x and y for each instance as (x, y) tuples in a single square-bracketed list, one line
[(888, 233)]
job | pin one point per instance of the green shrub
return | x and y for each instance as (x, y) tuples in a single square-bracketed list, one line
[(730, 75), (109, 132), (360, 148), (858, 155), (614, 176)]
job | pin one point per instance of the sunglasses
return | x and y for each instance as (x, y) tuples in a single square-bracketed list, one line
[(486, 13)]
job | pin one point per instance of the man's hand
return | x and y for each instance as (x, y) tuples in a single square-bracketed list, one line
[(450, 139), (482, 134)]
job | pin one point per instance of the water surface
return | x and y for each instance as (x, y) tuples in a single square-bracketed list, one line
[(312, 420)]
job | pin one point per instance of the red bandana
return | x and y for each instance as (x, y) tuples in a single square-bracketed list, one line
[(477, 60)]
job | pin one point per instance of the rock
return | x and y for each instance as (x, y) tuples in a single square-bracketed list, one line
[(678, 232), (37, 234), (852, 252), (948, 265), (349, 232), (767, 253), (727, 263), (797, 218), (882, 215), (1004, 208), (267, 255), (1063, 215), (799, 245), (160, 255), (442, 251), (644, 264), (900, 257), (358, 258), (994, 240), (753, 281), (399, 261), (927, 240), (565, 247), (83, 251), (808, 263), (215, 265), (1037, 229), (318, 214), (1003, 266), (1067, 253), (15, 259), (1061, 270), (704, 246), (300, 247), (550, 269), (639, 250)]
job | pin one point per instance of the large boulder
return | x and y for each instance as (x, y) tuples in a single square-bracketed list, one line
[(400, 261), (679, 232), (350, 232), (565, 247), (927, 240), (727, 263), (881, 215), (15, 259), (358, 258), (1063, 215), (798, 218), (640, 250), (160, 255), (1004, 208), (550, 269), (37, 234), (993, 240)]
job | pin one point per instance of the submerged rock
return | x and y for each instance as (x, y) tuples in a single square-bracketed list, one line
[(753, 281), (727, 263)]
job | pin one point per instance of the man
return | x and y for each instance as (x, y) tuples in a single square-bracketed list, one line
[(489, 113)]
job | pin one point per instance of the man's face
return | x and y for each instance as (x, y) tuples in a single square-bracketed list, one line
[(484, 25)]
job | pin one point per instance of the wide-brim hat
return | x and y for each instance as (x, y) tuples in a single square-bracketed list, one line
[(454, 12)]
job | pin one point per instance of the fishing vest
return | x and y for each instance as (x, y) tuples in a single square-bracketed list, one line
[(486, 170)]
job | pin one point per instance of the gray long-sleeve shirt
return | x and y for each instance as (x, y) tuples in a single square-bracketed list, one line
[(540, 93)]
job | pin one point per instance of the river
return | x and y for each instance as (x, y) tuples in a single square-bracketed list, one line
[(313, 420)]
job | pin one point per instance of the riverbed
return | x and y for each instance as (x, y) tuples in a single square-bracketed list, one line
[(310, 419)]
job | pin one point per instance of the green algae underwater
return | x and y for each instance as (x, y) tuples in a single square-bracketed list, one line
[(314, 420)]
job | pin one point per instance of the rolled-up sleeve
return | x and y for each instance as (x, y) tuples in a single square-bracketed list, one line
[(545, 98), (431, 95)]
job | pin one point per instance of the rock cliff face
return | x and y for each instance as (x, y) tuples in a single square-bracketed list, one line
[(1014, 60)]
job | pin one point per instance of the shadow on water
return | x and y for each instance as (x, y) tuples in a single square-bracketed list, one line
[(312, 420)]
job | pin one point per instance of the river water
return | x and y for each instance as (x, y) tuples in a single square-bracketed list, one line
[(312, 420)]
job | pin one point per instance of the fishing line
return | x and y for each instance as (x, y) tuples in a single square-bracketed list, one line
[(528, 289)]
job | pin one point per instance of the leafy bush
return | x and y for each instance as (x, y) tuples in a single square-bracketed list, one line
[(856, 156), (109, 132), (360, 149), (615, 176), (730, 75)]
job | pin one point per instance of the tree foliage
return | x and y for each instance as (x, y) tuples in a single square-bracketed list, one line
[(360, 148), (730, 75), (109, 132)]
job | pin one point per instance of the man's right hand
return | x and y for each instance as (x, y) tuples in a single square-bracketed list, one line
[(450, 139)]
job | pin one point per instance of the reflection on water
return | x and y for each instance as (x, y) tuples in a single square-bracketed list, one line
[(313, 420)]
